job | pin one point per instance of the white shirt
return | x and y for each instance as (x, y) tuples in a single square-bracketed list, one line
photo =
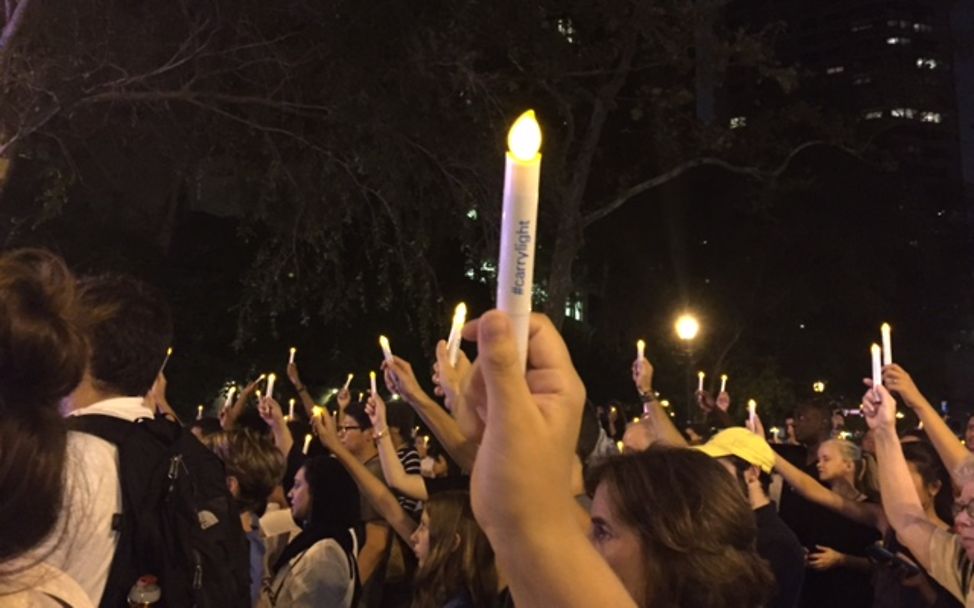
[(318, 577), (42, 586), (84, 540)]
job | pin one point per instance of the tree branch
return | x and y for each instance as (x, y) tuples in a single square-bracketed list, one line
[(12, 26)]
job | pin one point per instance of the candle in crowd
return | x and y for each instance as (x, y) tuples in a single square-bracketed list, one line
[(515, 268), (700, 377), (229, 400), (290, 409), (291, 357), (887, 344), (348, 381), (875, 351), (165, 361), (386, 351), (752, 411), (199, 412), (271, 379), (453, 342), (723, 383), (317, 411), (307, 444), (640, 349), (375, 391)]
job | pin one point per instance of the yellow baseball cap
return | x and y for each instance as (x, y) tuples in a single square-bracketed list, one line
[(740, 442)]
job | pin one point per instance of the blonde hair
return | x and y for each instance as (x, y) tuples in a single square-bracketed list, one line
[(253, 460)]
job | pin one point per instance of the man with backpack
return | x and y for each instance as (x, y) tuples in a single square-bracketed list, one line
[(147, 497)]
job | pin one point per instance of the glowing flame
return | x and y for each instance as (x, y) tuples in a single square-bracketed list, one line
[(524, 138)]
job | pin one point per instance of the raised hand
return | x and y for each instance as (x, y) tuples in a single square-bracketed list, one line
[(375, 407), (448, 378), (270, 412), (400, 379), (723, 401), (326, 429), (756, 427), (878, 407), (705, 401), (898, 381), (344, 397), (642, 376), (293, 376)]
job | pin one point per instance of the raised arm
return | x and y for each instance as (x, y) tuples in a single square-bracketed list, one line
[(396, 476), (868, 514), (228, 417), (303, 393), (951, 452), (400, 379), (270, 411), (666, 431), (376, 492), (521, 486), (900, 501)]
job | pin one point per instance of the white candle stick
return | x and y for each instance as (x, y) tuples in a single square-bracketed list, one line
[(723, 383), (271, 379), (348, 381), (291, 358), (700, 377), (290, 409), (875, 351), (515, 268), (453, 342), (375, 391), (752, 411), (307, 444), (165, 361), (640, 349), (229, 400), (386, 351), (317, 410), (887, 344), (199, 412)]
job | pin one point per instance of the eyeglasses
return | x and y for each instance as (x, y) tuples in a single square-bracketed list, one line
[(347, 428), (967, 507)]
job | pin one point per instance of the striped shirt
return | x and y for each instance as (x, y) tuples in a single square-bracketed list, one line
[(411, 462)]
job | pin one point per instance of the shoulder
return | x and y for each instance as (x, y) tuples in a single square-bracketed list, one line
[(327, 558), (949, 563)]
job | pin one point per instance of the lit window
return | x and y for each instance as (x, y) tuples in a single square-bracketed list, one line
[(574, 309), (934, 117), (903, 113), (873, 115), (898, 40), (738, 121), (835, 69), (927, 63)]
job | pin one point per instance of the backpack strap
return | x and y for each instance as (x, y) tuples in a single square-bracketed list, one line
[(111, 429)]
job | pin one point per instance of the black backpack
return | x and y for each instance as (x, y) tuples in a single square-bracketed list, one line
[(178, 520)]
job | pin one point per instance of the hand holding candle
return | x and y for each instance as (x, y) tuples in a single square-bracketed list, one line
[(515, 268), (640, 349), (885, 329), (752, 412), (453, 342), (229, 399), (875, 351), (386, 351), (348, 381), (271, 379)]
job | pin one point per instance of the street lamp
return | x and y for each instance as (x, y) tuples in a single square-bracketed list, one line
[(687, 327)]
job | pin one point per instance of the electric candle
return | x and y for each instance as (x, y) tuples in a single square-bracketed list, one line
[(199, 412), (875, 351), (229, 400), (640, 349), (386, 351), (293, 352), (348, 381), (887, 344), (307, 444), (165, 361), (700, 376), (515, 268), (723, 382), (453, 342), (317, 411), (375, 391), (752, 410), (271, 379), (290, 409)]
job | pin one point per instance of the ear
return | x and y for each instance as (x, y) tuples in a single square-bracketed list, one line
[(752, 474), (935, 487), (233, 485), (456, 542)]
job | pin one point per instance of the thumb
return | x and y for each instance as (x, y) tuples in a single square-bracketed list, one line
[(503, 376)]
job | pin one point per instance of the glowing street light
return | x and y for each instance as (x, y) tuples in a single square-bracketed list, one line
[(687, 327)]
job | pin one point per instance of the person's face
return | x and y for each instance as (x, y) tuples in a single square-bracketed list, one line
[(808, 425), (421, 447), (969, 434), (420, 538), (964, 523), (300, 497), (869, 442), (351, 435), (831, 465), (618, 543)]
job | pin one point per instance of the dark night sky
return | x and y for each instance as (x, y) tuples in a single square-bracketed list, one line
[(963, 25)]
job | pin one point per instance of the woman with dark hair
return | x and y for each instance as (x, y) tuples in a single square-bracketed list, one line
[(893, 586), (318, 567), (677, 531), (42, 358), (456, 562)]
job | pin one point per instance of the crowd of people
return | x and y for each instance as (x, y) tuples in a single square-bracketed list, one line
[(523, 493)]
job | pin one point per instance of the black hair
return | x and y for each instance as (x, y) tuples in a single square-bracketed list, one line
[(356, 410)]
